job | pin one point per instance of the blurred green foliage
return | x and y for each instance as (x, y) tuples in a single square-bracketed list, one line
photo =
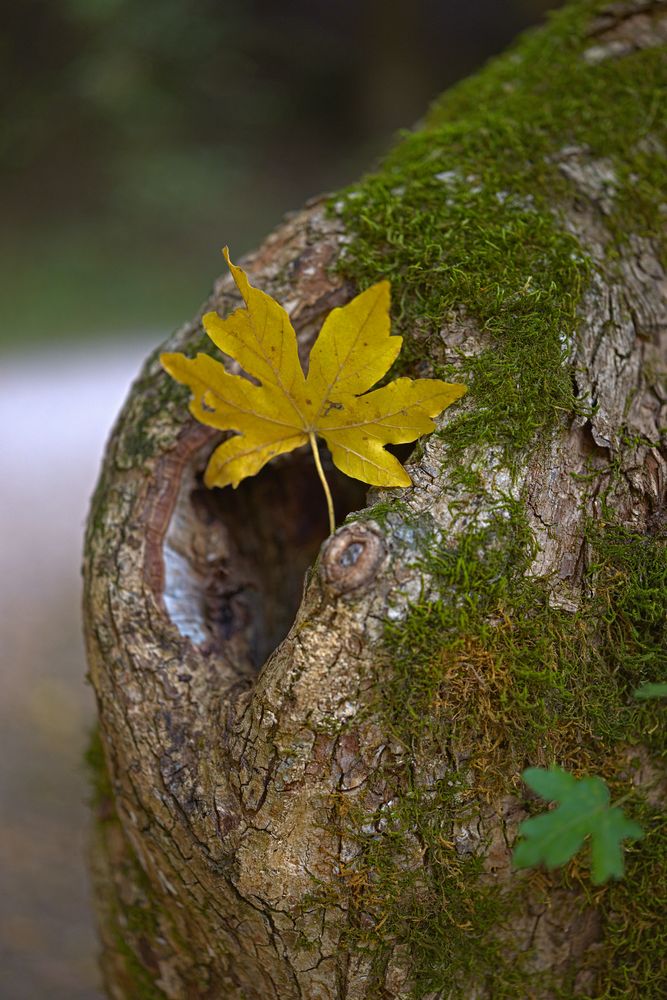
[(138, 136)]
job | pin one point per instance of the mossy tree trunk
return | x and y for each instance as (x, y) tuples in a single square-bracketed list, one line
[(312, 792)]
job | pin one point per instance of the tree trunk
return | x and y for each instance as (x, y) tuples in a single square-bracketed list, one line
[(312, 791)]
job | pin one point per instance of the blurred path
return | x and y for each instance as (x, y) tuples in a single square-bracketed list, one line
[(56, 409)]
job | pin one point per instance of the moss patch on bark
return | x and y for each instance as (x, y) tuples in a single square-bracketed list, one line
[(465, 218), (479, 684), (130, 921)]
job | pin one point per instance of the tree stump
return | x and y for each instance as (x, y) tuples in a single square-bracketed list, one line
[(311, 789)]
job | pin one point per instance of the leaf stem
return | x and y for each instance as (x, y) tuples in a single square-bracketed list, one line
[(323, 480)]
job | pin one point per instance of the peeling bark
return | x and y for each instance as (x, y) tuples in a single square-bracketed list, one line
[(234, 701)]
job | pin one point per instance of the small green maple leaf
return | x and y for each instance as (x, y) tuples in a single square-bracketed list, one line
[(552, 838)]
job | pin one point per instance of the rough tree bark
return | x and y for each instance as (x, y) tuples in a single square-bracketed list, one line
[(253, 772)]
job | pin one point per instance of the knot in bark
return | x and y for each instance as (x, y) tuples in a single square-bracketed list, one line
[(352, 558)]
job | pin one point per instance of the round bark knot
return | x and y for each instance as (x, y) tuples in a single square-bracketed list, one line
[(352, 557)]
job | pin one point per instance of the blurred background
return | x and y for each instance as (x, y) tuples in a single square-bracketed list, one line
[(136, 138)]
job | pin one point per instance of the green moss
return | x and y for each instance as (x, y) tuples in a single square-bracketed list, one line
[(153, 396), (380, 511), (496, 631), (139, 981), (464, 218), (480, 683), (133, 925), (630, 578), (408, 887), (98, 774), (633, 917)]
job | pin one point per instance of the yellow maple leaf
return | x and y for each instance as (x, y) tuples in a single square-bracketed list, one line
[(289, 408)]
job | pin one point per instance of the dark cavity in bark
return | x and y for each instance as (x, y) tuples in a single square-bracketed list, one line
[(235, 560)]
